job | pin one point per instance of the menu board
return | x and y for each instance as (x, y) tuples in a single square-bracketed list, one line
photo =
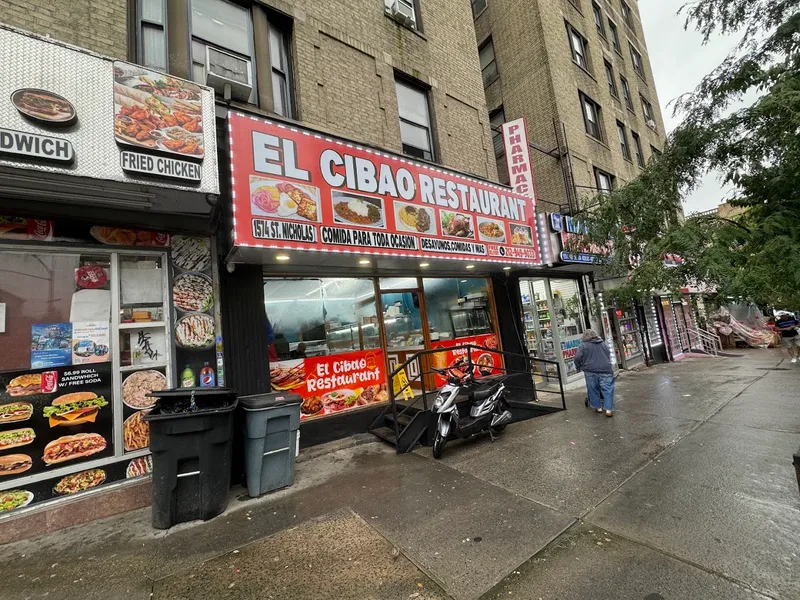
[(156, 111), (54, 417), (296, 189), (332, 384), (460, 361)]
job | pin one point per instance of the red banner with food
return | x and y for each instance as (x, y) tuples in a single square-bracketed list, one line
[(297, 189), (334, 383), (461, 361)]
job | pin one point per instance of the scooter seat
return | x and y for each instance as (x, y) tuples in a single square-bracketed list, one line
[(481, 395)]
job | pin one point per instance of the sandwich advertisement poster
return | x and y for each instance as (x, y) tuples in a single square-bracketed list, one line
[(296, 189), (52, 418)]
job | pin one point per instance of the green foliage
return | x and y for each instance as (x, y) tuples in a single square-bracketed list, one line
[(756, 255)]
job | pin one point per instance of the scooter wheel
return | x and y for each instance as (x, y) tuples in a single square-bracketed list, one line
[(438, 445)]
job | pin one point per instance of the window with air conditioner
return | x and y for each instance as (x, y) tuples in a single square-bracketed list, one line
[(151, 34), (404, 12), (578, 46), (222, 48), (416, 132), (623, 141), (488, 63), (591, 116)]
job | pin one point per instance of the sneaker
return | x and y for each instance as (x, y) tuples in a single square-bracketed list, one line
[(794, 360), (609, 413), (599, 410)]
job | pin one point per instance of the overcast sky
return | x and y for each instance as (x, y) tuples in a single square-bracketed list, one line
[(679, 61)]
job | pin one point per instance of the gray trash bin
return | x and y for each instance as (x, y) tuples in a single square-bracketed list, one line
[(271, 422)]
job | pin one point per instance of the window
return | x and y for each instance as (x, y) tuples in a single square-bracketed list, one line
[(577, 44), (626, 93), (449, 316), (605, 182), (612, 84), (478, 6), (591, 117), (647, 111), (636, 59), (281, 84), (598, 19), (415, 121), (576, 4), (654, 153), (326, 316), (623, 141), (637, 148), (496, 120), (223, 25), (152, 36), (488, 62), (614, 37), (405, 12), (626, 13)]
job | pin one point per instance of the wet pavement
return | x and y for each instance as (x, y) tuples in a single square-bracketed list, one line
[(688, 492)]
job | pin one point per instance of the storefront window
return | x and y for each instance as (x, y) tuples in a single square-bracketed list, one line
[(402, 320), (568, 312), (315, 317), (457, 308)]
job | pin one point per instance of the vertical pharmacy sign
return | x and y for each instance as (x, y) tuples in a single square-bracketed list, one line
[(518, 159)]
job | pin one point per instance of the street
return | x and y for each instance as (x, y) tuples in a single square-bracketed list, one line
[(687, 492)]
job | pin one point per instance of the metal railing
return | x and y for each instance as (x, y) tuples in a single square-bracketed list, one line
[(487, 373), (709, 342)]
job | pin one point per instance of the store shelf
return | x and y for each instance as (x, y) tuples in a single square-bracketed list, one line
[(142, 324), (131, 368)]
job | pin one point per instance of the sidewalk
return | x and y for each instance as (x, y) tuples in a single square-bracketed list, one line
[(688, 492)]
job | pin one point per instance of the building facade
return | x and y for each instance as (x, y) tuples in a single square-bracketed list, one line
[(579, 72)]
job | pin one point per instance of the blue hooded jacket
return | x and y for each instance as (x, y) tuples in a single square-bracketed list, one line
[(594, 356)]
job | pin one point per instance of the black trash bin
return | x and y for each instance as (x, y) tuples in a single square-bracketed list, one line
[(270, 432), (191, 453)]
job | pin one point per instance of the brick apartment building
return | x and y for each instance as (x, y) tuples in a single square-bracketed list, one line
[(579, 72), (337, 63)]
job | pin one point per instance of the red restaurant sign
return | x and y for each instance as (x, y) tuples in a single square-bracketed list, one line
[(296, 189)]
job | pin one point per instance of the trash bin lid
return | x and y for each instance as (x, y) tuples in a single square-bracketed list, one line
[(257, 401), (188, 391)]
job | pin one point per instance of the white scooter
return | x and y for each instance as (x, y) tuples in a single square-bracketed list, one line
[(488, 411)]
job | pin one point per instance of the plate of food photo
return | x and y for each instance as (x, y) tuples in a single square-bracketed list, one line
[(353, 209), (455, 224), (284, 200), (43, 106), (416, 219), (490, 230)]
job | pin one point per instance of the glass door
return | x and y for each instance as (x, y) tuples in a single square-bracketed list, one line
[(403, 320), (568, 314), (537, 318)]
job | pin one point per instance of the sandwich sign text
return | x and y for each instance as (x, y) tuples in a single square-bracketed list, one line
[(297, 189)]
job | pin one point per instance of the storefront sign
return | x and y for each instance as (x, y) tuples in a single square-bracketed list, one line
[(296, 189), (518, 158), (460, 361), (334, 383), (34, 145), (160, 166), (568, 233)]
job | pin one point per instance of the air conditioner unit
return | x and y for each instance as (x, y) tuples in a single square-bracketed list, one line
[(651, 124), (226, 69), (403, 12)]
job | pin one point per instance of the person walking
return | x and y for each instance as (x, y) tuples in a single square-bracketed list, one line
[(787, 324), (594, 359)]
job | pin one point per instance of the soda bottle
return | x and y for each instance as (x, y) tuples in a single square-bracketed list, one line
[(207, 376), (187, 377)]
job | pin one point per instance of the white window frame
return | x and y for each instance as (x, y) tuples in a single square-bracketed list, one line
[(427, 126), (590, 106), (579, 47), (599, 174)]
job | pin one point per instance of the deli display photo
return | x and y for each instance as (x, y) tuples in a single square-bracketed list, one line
[(50, 418)]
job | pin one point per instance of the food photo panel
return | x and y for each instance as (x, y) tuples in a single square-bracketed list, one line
[(415, 219), (491, 230), (357, 209), (456, 224), (284, 200)]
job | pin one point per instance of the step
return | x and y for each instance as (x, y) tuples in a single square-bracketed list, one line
[(402, 419), (386, 434)]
